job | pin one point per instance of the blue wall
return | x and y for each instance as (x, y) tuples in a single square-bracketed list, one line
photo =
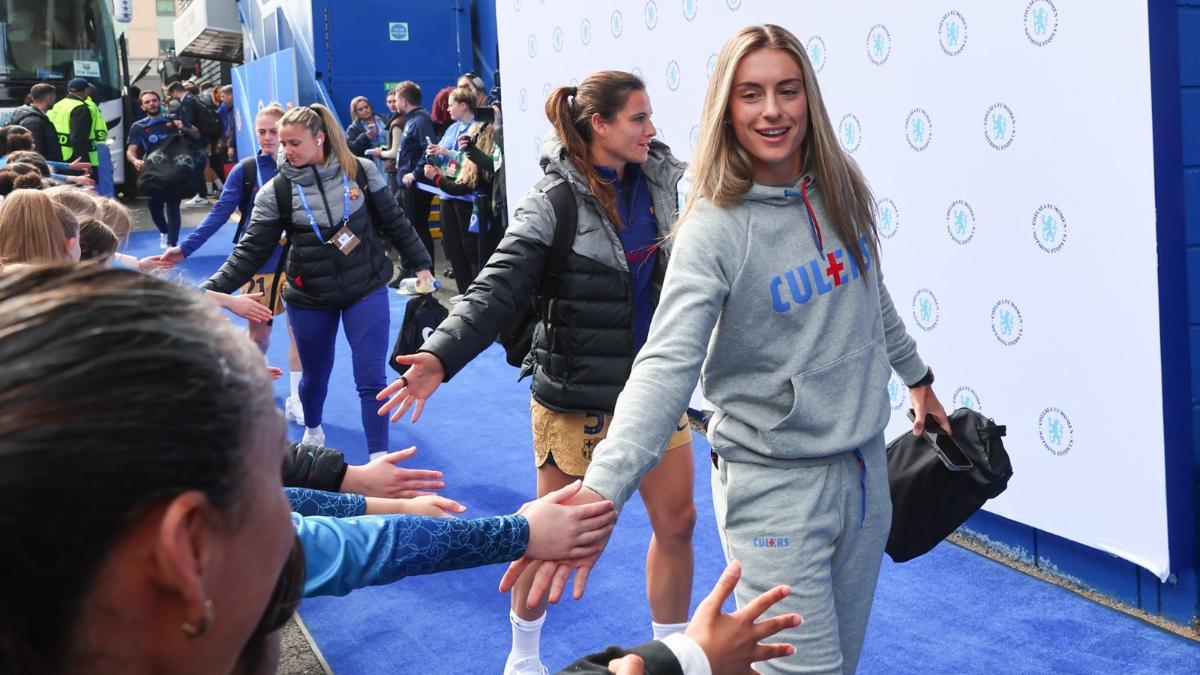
[(356, 57)]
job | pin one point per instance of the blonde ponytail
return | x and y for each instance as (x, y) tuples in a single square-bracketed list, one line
[(317, 118)]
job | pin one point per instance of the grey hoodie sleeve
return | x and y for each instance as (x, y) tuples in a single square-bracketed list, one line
[(901, 347), (707, 256)]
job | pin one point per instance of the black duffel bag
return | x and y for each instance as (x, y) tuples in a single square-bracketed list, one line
[(935, 488), (170, 171), (422, 315)]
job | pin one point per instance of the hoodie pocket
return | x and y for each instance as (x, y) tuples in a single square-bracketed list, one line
[(832, 405)]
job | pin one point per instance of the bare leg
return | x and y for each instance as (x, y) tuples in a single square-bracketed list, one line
[(667, 493), (549, 479), (260, 332)]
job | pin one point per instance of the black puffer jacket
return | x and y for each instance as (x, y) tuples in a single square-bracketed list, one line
[(314, 467), (45, 138), (318, 274), (583, 345)]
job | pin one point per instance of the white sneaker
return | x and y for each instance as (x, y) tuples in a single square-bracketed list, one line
[(197, 201), (293, 411), (313, 436), (529, 665), (162, 242)]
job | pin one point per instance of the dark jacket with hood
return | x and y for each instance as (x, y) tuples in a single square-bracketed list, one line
[(318, 274), (583, 345), (45, 138)]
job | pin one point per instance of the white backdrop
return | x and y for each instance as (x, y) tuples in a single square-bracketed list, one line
[(1016, 199)]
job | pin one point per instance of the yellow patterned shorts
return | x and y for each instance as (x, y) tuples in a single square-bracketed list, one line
[(568, 439), (261, 283)]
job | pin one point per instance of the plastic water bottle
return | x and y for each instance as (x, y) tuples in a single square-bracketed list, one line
[(414, 286)]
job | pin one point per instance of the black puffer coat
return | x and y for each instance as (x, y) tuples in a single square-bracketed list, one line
[(583, 345), (45, 138), (318, 274)]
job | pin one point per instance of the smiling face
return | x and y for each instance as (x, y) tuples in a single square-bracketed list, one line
[(768, 111), (626, 137), (300, 146)]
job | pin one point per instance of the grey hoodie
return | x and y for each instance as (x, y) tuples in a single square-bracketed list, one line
[(794, 352)]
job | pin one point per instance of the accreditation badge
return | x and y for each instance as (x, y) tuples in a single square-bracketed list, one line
[(344, 240)]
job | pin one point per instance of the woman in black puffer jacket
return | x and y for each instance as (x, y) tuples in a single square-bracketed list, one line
[(337, 213), (595, 306)]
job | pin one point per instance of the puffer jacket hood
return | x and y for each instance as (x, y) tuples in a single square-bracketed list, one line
[(661, 167), (583, 344)]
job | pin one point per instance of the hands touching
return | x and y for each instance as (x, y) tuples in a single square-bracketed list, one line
[(552, 575), (560, 528)]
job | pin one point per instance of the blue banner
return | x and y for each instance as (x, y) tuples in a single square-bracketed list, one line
[(271, 79)]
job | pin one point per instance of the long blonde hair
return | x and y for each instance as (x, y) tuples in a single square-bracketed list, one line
[(31, 231), (319, 119), (482, 133), (723, 171)]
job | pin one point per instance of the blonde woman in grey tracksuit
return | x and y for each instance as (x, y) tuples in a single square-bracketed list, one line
[(774, 297)]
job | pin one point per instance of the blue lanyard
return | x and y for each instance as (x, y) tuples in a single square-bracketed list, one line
[(312, 221)]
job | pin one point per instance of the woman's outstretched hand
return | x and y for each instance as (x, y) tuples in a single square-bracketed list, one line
[(423, 377)]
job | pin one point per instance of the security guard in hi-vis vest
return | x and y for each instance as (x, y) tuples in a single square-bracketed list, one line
[(79, 124)]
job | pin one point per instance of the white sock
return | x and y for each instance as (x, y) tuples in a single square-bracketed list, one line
[(662, 630), (526, 636), (296, 374)]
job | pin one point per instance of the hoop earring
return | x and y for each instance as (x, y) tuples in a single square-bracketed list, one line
[(206, 621)]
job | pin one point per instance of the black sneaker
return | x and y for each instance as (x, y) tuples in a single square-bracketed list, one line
[(449, 274)]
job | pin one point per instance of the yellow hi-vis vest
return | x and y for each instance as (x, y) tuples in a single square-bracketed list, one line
[(99, 129), (60, 117)]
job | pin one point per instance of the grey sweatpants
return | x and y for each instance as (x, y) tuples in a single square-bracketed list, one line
[(805, 526)]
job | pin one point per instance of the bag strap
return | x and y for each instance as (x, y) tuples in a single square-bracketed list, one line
[(283, 199), (249, 180), (566, 220)]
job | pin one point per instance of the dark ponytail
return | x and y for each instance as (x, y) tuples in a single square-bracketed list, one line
[(570, 110)]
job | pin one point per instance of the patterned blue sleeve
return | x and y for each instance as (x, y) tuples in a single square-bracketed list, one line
[(342, 554), (309, 502)]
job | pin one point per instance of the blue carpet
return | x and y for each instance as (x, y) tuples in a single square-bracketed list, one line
[(950, 611)]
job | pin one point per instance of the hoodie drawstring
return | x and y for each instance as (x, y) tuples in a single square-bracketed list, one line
[(862, 485), (812, 215)]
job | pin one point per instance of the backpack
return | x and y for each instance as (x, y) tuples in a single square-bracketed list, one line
[(207, 122), (935, 490), (170, 170), (517, 339), (422, 315), (249, 181)]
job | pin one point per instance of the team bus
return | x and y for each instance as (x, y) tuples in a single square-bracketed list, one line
[(54, 41)]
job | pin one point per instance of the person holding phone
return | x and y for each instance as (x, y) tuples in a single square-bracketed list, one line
[(775, 295), (445, 156), (367, 133)]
